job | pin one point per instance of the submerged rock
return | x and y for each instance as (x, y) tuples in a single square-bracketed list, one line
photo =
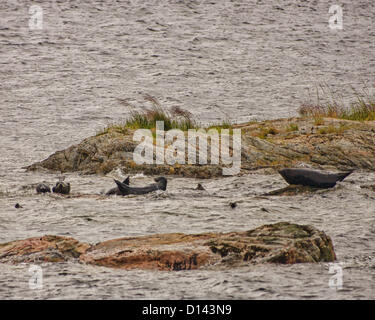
[(282, 242), (292, 190)]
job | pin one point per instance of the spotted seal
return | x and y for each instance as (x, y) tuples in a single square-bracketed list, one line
[(61, 187), (42, 188)]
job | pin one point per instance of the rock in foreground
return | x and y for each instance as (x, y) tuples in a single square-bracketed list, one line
[(282, 242), (41, 249)]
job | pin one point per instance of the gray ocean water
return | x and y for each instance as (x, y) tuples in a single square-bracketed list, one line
[(236, 60)]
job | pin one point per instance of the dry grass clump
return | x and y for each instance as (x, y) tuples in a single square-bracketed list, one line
[(266, 132), (362, 109), (334, 129), (146, 118), (292, 127)]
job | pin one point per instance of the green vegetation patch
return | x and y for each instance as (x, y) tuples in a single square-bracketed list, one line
[(361, 109), (174, 118)]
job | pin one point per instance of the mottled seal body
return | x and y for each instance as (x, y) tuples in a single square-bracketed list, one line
[(61, 187), (312, 178), (161, 184), (115, 190), (42, 188)]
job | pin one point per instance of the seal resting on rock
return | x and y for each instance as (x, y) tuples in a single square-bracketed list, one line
[(312, 178), (115, 190), (61, 187), (42, 188), (161, 184)]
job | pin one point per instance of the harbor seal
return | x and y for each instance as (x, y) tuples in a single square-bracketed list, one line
[(115, 190), (161, 184), (312, 178), (42, 188), (61, 187)]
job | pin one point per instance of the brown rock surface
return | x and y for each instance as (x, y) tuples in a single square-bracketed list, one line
[(282, 242), (341, 144), (42, 249)]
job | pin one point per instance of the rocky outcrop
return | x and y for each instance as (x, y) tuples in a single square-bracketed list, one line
[(42, 249), (283, 242), (334, 143)]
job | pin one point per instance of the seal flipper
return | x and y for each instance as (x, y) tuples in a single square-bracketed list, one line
[(123, 188), (341, 176), (126, 181)]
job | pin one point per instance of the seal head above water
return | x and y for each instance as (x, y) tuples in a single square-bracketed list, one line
[(42, 188), (312, 178), (61, 187)]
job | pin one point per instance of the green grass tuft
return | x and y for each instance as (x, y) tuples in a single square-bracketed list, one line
[(292, 127), (175, 118), (362, 109)]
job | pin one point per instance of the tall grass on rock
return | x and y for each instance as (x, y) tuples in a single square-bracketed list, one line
[(146, 118), (362, 109)]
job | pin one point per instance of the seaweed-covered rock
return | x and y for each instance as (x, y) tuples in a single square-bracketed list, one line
[(282, 242)]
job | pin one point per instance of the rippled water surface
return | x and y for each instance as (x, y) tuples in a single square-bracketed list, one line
[(238, 60)]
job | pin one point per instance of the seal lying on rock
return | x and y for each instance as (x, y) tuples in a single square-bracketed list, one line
[(115, 190), (42, 188), (312, 178), (161, 184), (61, 187)]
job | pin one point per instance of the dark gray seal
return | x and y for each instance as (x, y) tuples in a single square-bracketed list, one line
[(199, 187), (115, 190), (61, 187), (161, 184), (42, 188), (312, 178)]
